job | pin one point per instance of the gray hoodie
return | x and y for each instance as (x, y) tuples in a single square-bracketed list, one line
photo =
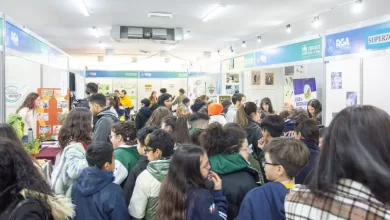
[(231, 114), (102, 129)]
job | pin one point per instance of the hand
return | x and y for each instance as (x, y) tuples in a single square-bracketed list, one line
[(216, 180), (262, 142)]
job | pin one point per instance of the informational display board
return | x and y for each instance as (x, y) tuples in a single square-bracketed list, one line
[(304, 90)]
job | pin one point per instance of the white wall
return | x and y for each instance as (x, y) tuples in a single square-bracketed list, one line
[(316, 70)]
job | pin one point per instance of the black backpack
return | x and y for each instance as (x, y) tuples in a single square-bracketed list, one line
[(24, 202)]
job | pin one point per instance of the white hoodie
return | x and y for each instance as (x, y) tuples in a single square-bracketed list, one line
[(218, 118), (231, 113)]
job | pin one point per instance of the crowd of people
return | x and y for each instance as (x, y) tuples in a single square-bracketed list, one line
[(233, 160)]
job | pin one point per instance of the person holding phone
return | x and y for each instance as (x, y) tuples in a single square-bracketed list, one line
[(190, 177)]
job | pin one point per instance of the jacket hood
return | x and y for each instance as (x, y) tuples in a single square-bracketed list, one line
[(311, 145), (225, 164), (251, 128), (91, 181), (109, 111), (158, 169), (197, 106), (289, 126), (145, 111)]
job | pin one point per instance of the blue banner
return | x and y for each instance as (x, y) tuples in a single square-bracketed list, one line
[(357, 40), (195, 74), (111, 74), (304, 91), (163, 75)]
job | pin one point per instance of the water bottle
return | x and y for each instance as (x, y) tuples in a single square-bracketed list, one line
[(30, 135)]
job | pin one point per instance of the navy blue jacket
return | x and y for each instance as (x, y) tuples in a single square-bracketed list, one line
[(97, 198), (264, 202), (201, 205), (301, 178)]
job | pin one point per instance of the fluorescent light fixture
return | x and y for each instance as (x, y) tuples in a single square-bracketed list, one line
[(316, 22), (95, 32), (84, 8), (243, 44), (288, 28), (259, 39), (358, 7), (214, 13), (160, 15)]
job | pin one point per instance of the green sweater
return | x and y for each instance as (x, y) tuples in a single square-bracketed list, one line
[(126, 157)]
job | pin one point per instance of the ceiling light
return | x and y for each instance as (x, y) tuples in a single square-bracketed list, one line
[(95, 32), (316, 22), (243, 44), (288, 28), (358, 7), (159, 15), (259, 39), (101, 45), (214, 13), (231, 49), (84, 8)]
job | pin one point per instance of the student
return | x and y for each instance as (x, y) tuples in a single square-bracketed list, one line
[(183, 110), (117, 93), (185, 188), (215, 111), (283, 160), (94, 193), (322, 132), (105, 117), (90, 89), (153, 98), (159, 149), (266, 105), (123, 135), (295, 115), (238, 99), (126, 101), (307, 132), (24, 193), (28, 113), (73, 138), (199, 106), (314, 109), (143, 114), (113, 101), (165, 100), (180, 98), (352, 173), (228, 152), (142, 162), (157, 116), (272, 127), (199, 122), (178, 127)]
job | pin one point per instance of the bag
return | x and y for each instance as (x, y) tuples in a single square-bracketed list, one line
[(29, 201)]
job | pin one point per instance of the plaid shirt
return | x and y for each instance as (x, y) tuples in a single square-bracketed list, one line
[(352, 200)]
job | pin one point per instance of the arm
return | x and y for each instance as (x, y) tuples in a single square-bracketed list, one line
[(120, 172), (102, 130), (129, 186), (139, 200), (76, 162), (245, 211), (117, 206), (207, 208), (176, 101), (24, 113), (30, 211)]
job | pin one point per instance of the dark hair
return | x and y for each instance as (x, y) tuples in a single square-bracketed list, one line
[(356, 147), (217, 140), (237, 98), (76, 127), (99, 153), (179, 128), (267, 101), (29, 102), (226, 104), (232, 125), (126, 130), (6, 131), (244, 112), (293, 155), (308, 129), (274, 124), (144, 132), (98, 99), (151, 96), (18, 172), (195, 137), (163, 90), (162, 140), (124, 92), (116, 91), (263, 114), (316, 105), (157, 116), (162, 98), (298, 114), (91, 88), (182, 91), (186, 100), (198, 116), (184, 169), (322, 131), (146, 102), (114, 101), (285, 114)]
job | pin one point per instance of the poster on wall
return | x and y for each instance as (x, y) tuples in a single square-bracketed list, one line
[(269, 79), (105, 89), (211, 88), (336, 80), (232, 89), (148, 88), (223, 98), (255, 78), (304, 90), (14, 92), (232, 78), (351, 98)]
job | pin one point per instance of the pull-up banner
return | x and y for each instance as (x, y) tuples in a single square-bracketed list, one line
[(304, 91)]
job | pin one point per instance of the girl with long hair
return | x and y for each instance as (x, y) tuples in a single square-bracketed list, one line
[(266, 105), (73, 138), (28, 113), (157, 116), (186, 186), (24, 193), (114, 102), (352, 172), (314, 110), (153, 98), (178, 127)]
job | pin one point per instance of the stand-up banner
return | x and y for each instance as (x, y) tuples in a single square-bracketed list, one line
[(304, 91)]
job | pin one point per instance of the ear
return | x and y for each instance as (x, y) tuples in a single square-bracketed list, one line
[(106, 166), (158, 153)]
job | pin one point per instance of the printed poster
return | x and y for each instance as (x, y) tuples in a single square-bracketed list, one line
[(304, 90), (351, 98), (336, 80), (15, 93), (255, 78)]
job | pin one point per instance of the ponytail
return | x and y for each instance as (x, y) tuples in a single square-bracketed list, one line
[(242, 117)]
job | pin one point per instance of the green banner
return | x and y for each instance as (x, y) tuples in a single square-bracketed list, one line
[(111, 74), (1, 31), (249, 60)]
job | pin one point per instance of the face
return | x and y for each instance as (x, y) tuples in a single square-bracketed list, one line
[(109, 167), (37, 102), (154, 95), (187, 104), (321, 142), (265, 107), (311, 110), (265, 133), (255, 116), (152, 156), (122, 94), (116, 140), (107, 102), (287, 107), (166, 127), (168, 103), (243, 101), (204, 166), (244, 150), (140, 148), (298, 136), (272, 171), (94, 108)]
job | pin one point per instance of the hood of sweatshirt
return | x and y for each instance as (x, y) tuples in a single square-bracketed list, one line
[(158, 169), (91, 181), (225, 164), (109, 111)]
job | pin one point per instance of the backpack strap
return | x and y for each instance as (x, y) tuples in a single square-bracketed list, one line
[(25, 202)]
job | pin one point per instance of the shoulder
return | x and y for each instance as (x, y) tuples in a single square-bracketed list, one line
[(299, 193)]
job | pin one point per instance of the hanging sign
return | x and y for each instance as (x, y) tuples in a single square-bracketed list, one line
[(111, 74), (378, 39), (14, 92), (163, 75), (304, 91)]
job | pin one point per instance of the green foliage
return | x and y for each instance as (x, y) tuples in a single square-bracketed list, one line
[(15, 121)]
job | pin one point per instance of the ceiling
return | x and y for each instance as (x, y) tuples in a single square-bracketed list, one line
[(62, 23)]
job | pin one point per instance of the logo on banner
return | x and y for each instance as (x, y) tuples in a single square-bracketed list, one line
[(15, 38), (263, 58), (342, 43), (11, 94), (379, 39)]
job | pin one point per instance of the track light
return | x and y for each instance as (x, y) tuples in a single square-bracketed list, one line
[(358, 7), (259, 39), (288, 28), (316, 22), (95, 32), (243, 44), (218, 51), (231, 49)]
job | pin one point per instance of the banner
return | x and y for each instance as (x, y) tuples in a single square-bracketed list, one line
[(163, 75), (111, 74), (306, 50), (304, 91), (358, 40), (249, 60), (239, 63), (14, 93), (1, 32)]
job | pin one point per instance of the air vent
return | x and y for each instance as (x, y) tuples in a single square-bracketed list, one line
[(159, 15)]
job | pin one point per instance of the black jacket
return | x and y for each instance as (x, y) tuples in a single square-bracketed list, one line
[(301, 178), (132, 177), (254, 134), (142, 117)]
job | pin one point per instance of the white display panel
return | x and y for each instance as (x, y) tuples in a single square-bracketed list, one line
[(336, 93), (52, 77), (80, 86), (376, 80)]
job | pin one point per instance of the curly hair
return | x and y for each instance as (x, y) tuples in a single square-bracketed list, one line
[(157, 116), (126, 130), (29, 102), (77, 127), (218, 140)]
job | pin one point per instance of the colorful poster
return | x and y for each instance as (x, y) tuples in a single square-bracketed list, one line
[(336, 80), (105, 89), (304, 91), (163, 75), (222, 98)]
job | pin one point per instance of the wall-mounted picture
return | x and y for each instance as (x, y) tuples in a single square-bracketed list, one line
[(336, 80), (351, 98), (255, 78), (232, 78), (223, 98), (56, 129), (289, 70), (211, 88), (232, 89), (62, 104), (269, 79), (43, 116), (46, 93), (44, 129), (44, 104)]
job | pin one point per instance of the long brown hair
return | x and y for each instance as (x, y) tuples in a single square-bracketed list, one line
[(29, 102), (157, 116), (77, 127), (179, 129), (153, 98), (244, 113), (114, 101)]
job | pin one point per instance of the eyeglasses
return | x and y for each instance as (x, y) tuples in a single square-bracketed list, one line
[(271, 164), (148, 149)]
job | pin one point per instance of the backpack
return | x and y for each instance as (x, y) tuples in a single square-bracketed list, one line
[(24, 202)]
